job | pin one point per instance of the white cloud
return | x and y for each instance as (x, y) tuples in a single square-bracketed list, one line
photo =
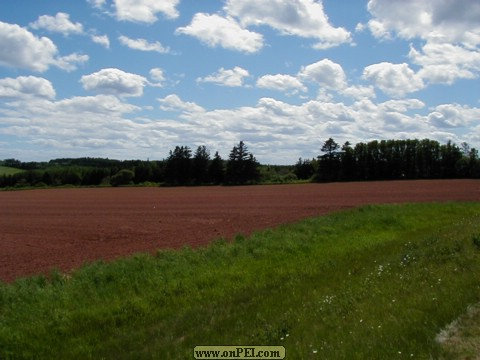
[(450, 29), (281, 82), (453, 115), (145, 10), (22, 49), (173, 102), (115, 82), (359, 92), (157, 75), (89, 125), (99, 104), (395, 80), (59, 23), (223, 77), (215, 30), (453, 21), (68, 63), (100, 126), (26, 86), (143, 45), (102, 40), (97, 3), (402, 106), (305, 18), (326, 73), (445, 63)]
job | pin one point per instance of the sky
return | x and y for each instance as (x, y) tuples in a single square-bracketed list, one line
[(132, 79)]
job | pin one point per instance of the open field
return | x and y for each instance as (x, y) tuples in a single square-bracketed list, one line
[(5, 170), (64, 228), (375, 282)]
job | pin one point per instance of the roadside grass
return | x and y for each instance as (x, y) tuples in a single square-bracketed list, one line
[(5, 170), (377, 282)]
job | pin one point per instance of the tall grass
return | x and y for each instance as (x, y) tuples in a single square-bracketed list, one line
[(375, 282)]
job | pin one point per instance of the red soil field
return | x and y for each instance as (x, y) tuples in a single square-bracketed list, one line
[(64, 228)]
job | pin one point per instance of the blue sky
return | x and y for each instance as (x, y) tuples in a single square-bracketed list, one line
[(131, 79)]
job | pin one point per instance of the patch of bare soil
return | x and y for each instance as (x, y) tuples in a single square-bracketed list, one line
[(64, 228)]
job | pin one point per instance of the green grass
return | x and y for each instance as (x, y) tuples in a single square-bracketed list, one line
[(376, 282), (5, 170)]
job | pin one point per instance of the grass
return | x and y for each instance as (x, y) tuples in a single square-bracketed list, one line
[(5, 170), (375, 282)]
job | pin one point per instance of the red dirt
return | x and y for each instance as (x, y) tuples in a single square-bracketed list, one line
[(64, 228)]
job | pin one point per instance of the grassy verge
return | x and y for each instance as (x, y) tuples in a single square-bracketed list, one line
[(376, 282)]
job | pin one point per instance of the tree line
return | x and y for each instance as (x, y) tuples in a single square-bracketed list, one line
[(389, 160), (181, 167), (374, 160)]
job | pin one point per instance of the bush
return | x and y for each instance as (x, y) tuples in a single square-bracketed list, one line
[(123, 177)]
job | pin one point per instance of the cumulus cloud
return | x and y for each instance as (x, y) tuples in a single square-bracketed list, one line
[(101, 40), (144, 10), (59, 23), (326, 73), (173, 102), (451, 20), (453, 115), (445, 63), (215, 30), (449, 28), (359, 92), (26, 86), (99, 104), (395, 80), (304, 18), (69, 62), (158, 77), (227, 77), (280, 82), (22, 49), (115, 82), (143, 45), (402, 106)]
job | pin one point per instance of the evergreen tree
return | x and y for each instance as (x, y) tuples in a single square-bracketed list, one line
[(216, 170), (178, 166), (242, 167), (304, 169), (329, 163), (201, 161)]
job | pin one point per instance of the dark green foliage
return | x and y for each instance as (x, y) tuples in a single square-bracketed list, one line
[(329, 162), (375, 160), (242, 167), (216, 170), (179, 166), (304, 169), (396, 159), (476, 241), (201, 160), (123, 177)]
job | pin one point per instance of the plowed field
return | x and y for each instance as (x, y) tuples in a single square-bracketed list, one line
[(64, 228)]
